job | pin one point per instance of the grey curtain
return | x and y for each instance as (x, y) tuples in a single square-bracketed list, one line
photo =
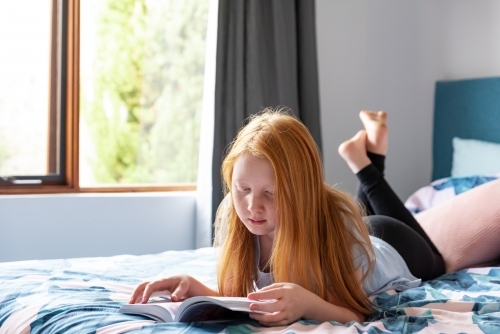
[(266, 57)]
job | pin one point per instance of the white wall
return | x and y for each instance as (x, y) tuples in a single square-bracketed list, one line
[(387, 54), (83, 225)]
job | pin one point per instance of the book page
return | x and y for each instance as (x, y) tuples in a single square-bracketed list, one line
[(163, 311), (171, 307)]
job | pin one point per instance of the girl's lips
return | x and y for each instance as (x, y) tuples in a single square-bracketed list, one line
[(257, 222)]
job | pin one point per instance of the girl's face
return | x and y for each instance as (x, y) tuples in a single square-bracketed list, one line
[(253, 189)]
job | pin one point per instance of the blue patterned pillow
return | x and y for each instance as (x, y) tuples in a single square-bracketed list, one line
[(442, 190)]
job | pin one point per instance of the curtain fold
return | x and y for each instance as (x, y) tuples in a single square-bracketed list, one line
[(266, 57)]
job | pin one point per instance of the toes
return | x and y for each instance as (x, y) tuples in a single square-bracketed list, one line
[(375, 131), (382, 116), (369, 116)]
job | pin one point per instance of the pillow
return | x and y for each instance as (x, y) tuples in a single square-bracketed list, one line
[(466, 229), (471, 156), (442, 190)]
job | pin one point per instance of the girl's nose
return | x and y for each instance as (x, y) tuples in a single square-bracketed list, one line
[(255, 204)]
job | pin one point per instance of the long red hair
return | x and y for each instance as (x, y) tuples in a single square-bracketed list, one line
[(317, 227)]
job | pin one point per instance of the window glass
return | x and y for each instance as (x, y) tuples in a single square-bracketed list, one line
[(141, 88), (25, 111)]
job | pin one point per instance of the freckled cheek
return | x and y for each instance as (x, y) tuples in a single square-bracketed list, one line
[(276, 218), (275, 214), (240, 206)]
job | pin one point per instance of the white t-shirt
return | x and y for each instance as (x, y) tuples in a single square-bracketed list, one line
[(389, 271)]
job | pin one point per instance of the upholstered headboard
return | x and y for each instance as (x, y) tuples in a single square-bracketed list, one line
[(468, 109)]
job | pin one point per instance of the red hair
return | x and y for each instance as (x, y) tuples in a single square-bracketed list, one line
[(317, 227)]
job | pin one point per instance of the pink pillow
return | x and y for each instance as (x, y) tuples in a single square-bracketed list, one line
[(466, 229)]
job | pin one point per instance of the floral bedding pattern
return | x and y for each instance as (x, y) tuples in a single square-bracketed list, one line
[(83, 296)]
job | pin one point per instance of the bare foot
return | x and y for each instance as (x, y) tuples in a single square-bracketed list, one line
[(375, 123), (353, 151)]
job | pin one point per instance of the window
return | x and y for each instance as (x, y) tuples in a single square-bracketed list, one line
[(100, 95), (29, 116)]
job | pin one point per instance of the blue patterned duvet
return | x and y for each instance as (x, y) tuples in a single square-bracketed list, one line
[(83, 296)]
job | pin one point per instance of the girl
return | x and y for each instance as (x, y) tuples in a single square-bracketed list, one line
[(284, 234)]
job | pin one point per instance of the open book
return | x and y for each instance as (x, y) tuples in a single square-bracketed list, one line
[(200, 308)]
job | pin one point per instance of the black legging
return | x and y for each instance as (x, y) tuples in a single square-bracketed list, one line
[(393, 223)]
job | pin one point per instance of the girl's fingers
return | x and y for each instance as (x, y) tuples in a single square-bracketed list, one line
[(268, 307), (152, 287), (272, 319), (161, 294), (137, 293), (178, 286), (274, 293), (180, 290)]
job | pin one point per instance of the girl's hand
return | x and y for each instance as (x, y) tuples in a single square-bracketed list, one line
[(178, 285), (292, 303)]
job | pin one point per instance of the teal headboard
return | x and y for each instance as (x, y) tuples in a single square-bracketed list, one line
[(468, 109)]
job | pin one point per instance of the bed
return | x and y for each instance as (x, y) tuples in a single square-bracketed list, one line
[(83, 295)]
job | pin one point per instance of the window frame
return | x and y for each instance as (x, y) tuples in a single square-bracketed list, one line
[(65, 102)]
